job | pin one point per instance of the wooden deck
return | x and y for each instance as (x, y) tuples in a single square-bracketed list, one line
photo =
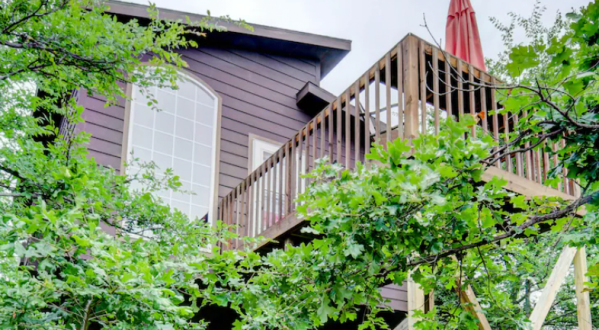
[(407, 92)]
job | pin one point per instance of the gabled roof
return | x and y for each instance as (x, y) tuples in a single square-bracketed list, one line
[(328, 50)]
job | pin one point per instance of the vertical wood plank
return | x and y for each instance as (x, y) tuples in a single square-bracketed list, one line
[(240, 211), (314, 141), (411, 87), (281, 180), (388, 96), (448, 86), (422, 69), (323, 131), (436, 78), (495, 117), (583, 301), (545, 162), (339, 131), (377, 103), (527, 155), (269, 173), (519, 166), (292, 174), (366, 114), (483, 104), (506, 139), (263, 197), (307, 157), (331, 130), (538, 161), (472, 98), (460, 88), (288, 175), (300, 162), (565, 172), (400, 104), (246, 207), (230, 218), (273, 191), (250, 229), (347, 132), (357, 131), (555, 161)]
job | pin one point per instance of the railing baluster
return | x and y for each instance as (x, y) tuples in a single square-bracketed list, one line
[(300, 161), (519, 166), (565, 171), (230, 217), (271, 175), (357, 121), (377, 103), (460, 92), (250, 222), (347, 130), (263, 197), (367, 132), (246, 207), (281, 180), (448, 85), (495, 117), (545, 162), (483, 103), (400, 105), (528, 156), (331, 131), (314, 142), (422, 66), (338, 132), (240, 210), (388, 96), (472, 99), (322, 132), (292, 174), (506, 138), (436, 88), (555, 161)]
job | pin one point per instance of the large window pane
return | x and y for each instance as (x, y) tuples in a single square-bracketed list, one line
[(180, 136)]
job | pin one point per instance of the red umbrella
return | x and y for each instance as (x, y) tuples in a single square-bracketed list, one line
[(461, 34)]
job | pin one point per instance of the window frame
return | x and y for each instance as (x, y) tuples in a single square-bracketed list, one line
[(214, 178)]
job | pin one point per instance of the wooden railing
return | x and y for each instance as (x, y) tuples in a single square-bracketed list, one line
[(406, 93)]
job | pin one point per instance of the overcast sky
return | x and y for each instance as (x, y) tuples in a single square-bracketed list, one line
[(373, 26)]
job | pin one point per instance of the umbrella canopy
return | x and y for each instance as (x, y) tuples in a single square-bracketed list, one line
[(461, 34)]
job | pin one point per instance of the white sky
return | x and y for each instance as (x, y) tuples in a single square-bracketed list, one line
[(374, 26)]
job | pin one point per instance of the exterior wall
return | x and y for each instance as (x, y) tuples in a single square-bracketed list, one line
[(398, 296), (258, 94)]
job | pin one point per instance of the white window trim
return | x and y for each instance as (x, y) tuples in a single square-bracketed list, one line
[(214, 178)]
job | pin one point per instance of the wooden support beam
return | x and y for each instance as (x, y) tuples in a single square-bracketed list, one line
[(468, 298), (553, 284), (415, 301), (583, 301)]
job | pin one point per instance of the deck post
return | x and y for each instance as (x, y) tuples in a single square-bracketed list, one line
[(415, 300), (411, 83), (583, 301)]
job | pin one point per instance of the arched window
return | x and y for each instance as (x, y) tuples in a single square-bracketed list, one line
[(182, 136)]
